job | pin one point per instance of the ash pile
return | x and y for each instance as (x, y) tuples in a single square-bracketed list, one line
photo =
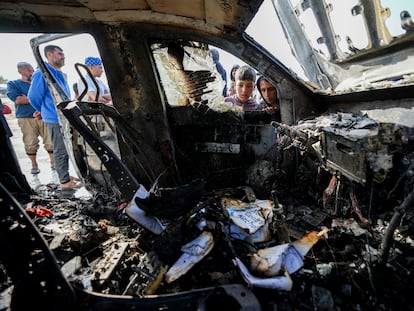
[(324, 222)]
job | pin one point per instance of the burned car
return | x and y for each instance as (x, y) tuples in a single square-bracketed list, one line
[(191, 203)]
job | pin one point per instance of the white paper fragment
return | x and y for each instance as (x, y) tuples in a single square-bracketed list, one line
[(193, 252), (249, 216), (72, 266), (54, 228), (151, 223)]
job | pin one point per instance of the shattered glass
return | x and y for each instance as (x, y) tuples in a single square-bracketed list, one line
[(339, 47), (189, 77)]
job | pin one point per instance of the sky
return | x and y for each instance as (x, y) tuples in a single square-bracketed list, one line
[(18, 49), (76, 49)]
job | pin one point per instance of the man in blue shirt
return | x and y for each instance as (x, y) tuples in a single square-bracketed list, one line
[(30, 127), (41, 99)]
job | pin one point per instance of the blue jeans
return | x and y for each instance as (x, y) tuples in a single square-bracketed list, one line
[(59, 152)]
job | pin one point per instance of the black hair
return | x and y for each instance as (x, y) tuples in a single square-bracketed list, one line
[(22, 64), (260, 80), (245, 73), (232, 77), (51, 48)]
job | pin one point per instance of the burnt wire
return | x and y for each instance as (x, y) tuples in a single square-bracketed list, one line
[(371, 279)]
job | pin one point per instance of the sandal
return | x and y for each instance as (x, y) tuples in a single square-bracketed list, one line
[(35, 170), (72, 184)]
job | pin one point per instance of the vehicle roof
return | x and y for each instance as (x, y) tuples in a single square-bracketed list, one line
[(215, 16)]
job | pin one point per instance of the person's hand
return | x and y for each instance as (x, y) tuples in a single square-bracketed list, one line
[(21, 100), (37, 115), (269, 110)]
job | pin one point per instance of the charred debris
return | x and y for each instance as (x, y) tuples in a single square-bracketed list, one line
[(324, 221)]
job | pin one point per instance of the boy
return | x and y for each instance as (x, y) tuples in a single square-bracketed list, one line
[(270, 100), (245, 83)]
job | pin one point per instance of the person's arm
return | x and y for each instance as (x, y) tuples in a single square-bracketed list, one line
[(12, 91), (91, 93), (22, 100), (107, 99), (269, 110), (36, 91), (106, 96), (16, 94)]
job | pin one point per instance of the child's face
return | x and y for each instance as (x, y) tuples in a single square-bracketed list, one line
[(268, 92), (244, 89)]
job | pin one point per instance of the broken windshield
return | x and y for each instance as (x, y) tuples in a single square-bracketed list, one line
[(340, 46)]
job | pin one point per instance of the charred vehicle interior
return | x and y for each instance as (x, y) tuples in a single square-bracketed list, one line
[(191, 203)]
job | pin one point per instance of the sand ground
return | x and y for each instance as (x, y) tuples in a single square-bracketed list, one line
[(45, 176)]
